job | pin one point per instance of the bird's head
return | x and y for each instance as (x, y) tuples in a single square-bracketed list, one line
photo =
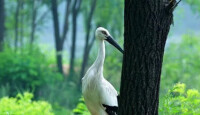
[(103, 34)]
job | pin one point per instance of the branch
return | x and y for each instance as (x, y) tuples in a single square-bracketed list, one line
[(66, 20), (42, 16), (91, 43), (79, 5), (172, 5), (88, 22), (93, 39), (175, 5)]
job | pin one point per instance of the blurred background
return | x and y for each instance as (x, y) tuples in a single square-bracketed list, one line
[(46, 46)]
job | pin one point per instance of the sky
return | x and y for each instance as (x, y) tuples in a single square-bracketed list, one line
[(185, 22)]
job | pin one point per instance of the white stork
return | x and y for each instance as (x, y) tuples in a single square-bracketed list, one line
[(100, 96)]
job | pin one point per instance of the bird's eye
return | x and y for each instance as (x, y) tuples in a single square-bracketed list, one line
[(104, 33)]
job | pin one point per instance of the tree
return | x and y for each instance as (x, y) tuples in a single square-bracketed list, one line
[(2, 26), (147, 24), (33, 21), (23, 20), (88, 45), (59, 40), (194, 4), (19, 23), (102, 15), (75, 11), (16, 24), (22, 23), (38, 18)]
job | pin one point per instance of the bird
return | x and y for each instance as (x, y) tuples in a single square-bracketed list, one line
[(99, 95)]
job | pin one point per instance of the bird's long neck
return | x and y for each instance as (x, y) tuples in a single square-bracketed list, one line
[(101, 56)]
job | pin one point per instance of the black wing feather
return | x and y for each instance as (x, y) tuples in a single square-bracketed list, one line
[(111, 110)]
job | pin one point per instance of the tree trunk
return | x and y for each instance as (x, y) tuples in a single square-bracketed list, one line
[(33, 23), (2, 26), (147, 23), (16, 24), (21, 23), (73, 47), (86, 49), (75, 12), (59, 40), (66, 21), (58, 44)]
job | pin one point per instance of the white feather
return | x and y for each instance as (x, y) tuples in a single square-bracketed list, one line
[(95, 88)]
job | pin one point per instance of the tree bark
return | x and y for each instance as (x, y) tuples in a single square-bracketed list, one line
[(57, 36), (2, 22), (147, 24), (87, 48)]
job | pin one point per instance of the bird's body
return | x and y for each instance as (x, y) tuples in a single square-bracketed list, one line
[(98, 93), (96, 89)]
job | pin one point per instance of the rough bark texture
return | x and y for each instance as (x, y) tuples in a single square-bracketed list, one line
[(2, 27), (147, 23)]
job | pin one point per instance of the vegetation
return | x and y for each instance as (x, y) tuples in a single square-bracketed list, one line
[(180, 101), (23, 70), (27, 66), (81, 108), (24, 105), (181, 64)]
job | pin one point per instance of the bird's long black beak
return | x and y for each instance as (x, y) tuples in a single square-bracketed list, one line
[(114, 43)]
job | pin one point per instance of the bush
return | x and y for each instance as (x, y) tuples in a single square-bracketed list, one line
[(23, 105), (35, 71), (25, 70), (81, 108), (180, 102)]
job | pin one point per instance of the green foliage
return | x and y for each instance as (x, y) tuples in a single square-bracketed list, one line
[(24, 19), (26, 70), (59, 110), (35, 71), (113, 66), (181, 64), (180, 102), (81, 108), (61, 94), (105, 16), (194, 4), (24, 105)]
